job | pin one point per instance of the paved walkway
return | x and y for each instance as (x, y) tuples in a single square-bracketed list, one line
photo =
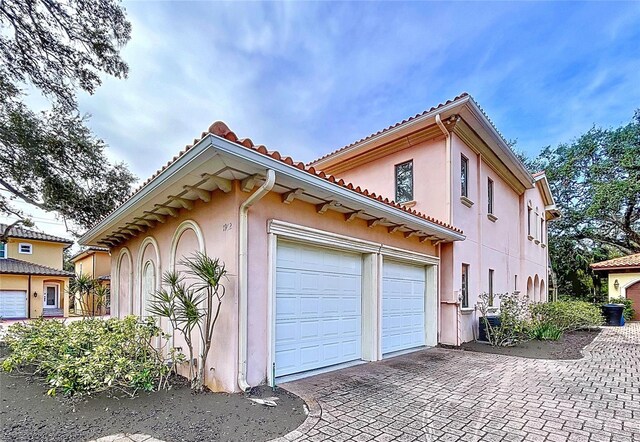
[(451, 395)]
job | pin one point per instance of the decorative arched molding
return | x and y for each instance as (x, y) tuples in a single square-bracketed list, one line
[(147, 286), (183, 227), (149, 241), (530, 288), (115, 300), (623, 289), (544, 296), (536, 288)]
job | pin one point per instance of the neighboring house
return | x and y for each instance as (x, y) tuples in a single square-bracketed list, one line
[(452, 163), (624, 279), (94, 262), (32, 280), (321, 272)]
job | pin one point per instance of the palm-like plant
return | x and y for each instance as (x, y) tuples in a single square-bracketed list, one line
[(80, 288), (193, 305)]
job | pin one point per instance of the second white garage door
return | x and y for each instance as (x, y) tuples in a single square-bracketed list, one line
[(403, 306), (13, 304), (318, 308)]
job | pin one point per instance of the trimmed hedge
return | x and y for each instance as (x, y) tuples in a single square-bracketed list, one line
[(567, 315)]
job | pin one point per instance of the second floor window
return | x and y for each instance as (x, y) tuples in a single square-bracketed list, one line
[(3, 250), (490, 196), (529, 213), (404, 182), (465, 286), (25, 248), (464, 176)]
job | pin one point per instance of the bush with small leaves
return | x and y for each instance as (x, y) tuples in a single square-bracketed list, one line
[(567, 315), (92, 355)]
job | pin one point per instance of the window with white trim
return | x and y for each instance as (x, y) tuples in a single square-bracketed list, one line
[(3, 250), (25, 248), (490, 196)]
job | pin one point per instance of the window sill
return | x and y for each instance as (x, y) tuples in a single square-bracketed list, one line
[(408, 204), (467, 310), (466, 201), (536, 241), (530, 238), (543, 245), (492, 217)]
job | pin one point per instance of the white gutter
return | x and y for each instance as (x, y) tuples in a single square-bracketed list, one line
[(243, 276), (448, 189)]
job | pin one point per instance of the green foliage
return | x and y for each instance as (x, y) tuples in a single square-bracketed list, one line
[(51, 160), (567, 315), (545, 331), (91, 355), (628, 307), (89, 294), (513, 318), (595, 181), (193, 307)]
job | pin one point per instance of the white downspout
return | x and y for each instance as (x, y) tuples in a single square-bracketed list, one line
[(447, 147), (243, 276)]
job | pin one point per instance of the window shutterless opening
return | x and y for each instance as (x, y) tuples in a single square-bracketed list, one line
[(404, 182), (464, 176)]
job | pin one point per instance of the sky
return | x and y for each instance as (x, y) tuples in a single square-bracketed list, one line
[(306, 78)]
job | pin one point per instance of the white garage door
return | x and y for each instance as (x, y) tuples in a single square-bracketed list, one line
[(403, 310), (13, 304), (318, 308)]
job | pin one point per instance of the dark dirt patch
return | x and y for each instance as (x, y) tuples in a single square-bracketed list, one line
[(569, 346), (28, 414)]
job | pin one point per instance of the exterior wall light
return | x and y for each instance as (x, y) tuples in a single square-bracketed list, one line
[(616, 285)]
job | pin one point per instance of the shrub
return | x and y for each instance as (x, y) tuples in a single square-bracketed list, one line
[(567, 315), (92, 355), (628, 307), (513, 318), (545, 331)]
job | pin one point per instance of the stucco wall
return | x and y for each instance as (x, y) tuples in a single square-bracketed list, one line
[(21, 282), (624, 280), (44, 253)]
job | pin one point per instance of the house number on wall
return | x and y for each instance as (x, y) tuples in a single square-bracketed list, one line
[(227, 227)]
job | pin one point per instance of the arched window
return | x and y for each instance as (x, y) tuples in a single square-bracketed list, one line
[(148, 286)]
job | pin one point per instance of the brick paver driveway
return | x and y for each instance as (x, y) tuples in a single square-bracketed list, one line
[(439, 394)]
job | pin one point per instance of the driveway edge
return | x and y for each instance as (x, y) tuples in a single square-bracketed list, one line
[(315, 413)]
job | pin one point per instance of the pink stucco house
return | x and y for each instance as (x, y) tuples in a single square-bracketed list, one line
[(323, 272)]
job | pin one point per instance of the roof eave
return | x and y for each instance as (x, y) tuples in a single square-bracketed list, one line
[(210, 144)]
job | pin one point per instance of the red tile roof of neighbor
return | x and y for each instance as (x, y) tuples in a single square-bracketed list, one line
[(21, 232), (220, 129), (622, 262), (18, 267)]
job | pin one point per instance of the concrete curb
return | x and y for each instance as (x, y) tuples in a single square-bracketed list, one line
[(315, 413)]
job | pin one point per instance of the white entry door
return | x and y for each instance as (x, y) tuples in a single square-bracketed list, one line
[(318, 312), (13, 304), (50, 296), (403, 306)]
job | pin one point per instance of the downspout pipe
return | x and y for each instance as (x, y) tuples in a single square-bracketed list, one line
[(449, 165), (243, 276)]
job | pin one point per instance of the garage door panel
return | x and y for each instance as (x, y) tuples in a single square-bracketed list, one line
[(13, 304), (318, 308), (403, 306)]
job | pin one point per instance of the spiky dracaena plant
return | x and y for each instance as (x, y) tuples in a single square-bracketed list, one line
[(193, 305), (80, 289)]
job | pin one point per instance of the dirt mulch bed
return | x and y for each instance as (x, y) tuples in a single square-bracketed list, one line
[(28, 414), (569, 346)]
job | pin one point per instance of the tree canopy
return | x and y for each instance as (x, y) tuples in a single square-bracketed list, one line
[(51, 159), (596, 183)]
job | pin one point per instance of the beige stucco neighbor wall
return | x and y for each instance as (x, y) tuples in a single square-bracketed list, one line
[(44, 253), (624, 280), (37, 287)]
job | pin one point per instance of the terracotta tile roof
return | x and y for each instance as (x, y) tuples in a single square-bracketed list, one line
[(537, 174), (623, 261), (19, 267), (20, 232), (381, 131), (220, 129), (89, 249)]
